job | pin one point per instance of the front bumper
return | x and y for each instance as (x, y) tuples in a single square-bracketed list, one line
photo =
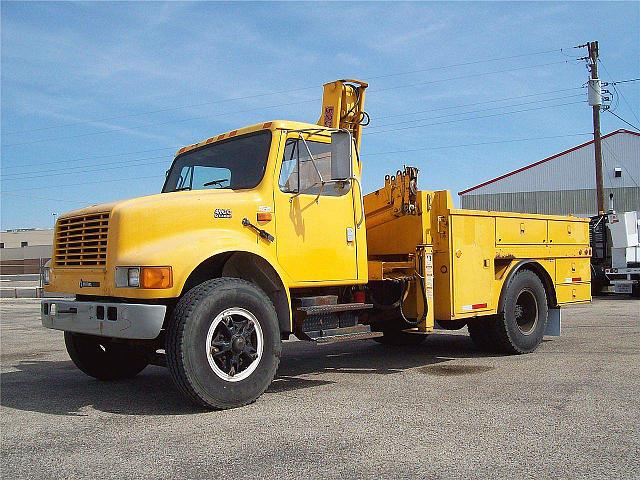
[(117, 320)]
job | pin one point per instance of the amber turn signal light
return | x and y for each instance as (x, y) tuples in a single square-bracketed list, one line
[(156, 277), (264, 216)]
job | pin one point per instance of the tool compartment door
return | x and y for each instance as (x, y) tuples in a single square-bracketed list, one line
[(563, 232), (315, 228), (573, 270), (472, 260), (520, 231)]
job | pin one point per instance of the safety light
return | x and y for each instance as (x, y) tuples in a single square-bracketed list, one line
[(144, 277), (263, 216), (156, 277)]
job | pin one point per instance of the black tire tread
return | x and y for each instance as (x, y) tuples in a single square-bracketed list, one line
[(127, 363), (175, 334)]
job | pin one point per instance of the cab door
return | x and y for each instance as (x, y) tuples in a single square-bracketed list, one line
[(315, 225)]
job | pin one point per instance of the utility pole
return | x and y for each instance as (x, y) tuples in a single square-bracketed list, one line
[(595, 100)]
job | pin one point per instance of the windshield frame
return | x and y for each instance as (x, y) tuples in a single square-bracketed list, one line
[(210, 145)]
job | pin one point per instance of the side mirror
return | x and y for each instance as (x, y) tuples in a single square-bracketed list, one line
[(341, 163)]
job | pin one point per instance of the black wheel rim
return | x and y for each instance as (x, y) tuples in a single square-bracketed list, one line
[(526, 312), (234, 344)]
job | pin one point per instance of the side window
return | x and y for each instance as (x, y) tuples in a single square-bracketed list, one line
[(307, 180)]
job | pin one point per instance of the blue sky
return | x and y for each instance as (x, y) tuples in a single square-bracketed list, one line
[(79, 81)]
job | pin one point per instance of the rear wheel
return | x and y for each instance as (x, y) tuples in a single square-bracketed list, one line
[(104, 359), (520, 328), (223, 343)]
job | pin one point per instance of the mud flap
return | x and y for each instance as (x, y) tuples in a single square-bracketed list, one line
[(554, 320)]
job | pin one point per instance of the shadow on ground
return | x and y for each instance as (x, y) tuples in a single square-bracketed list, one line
[(58, 388)]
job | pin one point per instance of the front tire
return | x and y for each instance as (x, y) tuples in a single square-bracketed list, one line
[(104, 359), (223, 343)]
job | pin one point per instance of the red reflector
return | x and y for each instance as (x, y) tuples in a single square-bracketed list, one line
[(264, 216), (576, 279), (478, 305)]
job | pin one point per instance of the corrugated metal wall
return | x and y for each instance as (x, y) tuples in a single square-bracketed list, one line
[(581, 203), (565, 185)]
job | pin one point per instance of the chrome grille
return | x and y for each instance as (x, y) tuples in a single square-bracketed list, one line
[(82, 241)]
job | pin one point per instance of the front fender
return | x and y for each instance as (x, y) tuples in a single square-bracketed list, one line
[(185, 251)]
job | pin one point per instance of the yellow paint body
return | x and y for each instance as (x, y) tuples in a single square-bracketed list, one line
[(472, 252)]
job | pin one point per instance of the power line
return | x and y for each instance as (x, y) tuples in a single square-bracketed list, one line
[(29, 175), (444, 147), (618, 116), (80, 183), (248, 97), (176, 147), (484, 102), (620, 93), (461, 77), (472, 118), (200, 117), (76, 202), (157, 124), (365, 155), (475, 111), (622, 81), (73, 160)]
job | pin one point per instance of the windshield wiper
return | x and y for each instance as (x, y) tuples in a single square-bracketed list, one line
[(215, 182), (181, 189)]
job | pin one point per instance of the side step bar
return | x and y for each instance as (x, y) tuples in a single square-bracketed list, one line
[(344, 334), (341, 307)]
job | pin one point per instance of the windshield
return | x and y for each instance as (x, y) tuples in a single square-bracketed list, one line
[(236, 163)]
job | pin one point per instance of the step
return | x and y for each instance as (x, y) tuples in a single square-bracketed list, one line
[(344, 334), (316, 300), (342, 307)]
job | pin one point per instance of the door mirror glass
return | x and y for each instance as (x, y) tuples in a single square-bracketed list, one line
[(341, 156)]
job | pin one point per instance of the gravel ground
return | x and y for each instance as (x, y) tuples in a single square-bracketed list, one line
[(350, 410)]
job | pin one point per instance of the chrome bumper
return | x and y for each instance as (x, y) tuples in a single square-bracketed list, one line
[(118, 320)]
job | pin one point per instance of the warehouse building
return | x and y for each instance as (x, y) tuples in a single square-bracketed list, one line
[(565, 183), (24, 250)]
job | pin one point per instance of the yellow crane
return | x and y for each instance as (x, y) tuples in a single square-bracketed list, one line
[(264, 231)]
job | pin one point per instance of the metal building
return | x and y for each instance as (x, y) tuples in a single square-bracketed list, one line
[(565, 183)]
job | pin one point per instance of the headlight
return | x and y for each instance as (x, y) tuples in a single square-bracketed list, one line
[(46, 275), (144, 277)]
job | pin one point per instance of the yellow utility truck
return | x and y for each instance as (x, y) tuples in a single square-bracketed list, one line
[(264, 232)]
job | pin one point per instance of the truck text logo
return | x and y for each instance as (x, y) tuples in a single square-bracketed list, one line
[(222, 213)]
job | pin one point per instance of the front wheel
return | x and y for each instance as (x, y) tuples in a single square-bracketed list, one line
[(104, 359), (223, 343)]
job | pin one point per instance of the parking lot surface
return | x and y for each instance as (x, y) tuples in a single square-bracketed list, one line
[(350, 410)]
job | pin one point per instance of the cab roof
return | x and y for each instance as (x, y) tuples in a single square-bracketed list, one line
[(271, 125)]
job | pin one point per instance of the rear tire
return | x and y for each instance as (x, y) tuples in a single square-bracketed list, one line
[(520, 328), (101, 358), (223, 343)]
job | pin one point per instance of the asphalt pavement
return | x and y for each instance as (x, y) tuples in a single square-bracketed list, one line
[(352, 410)]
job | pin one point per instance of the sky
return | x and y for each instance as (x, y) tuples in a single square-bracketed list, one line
[(97, 97)]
